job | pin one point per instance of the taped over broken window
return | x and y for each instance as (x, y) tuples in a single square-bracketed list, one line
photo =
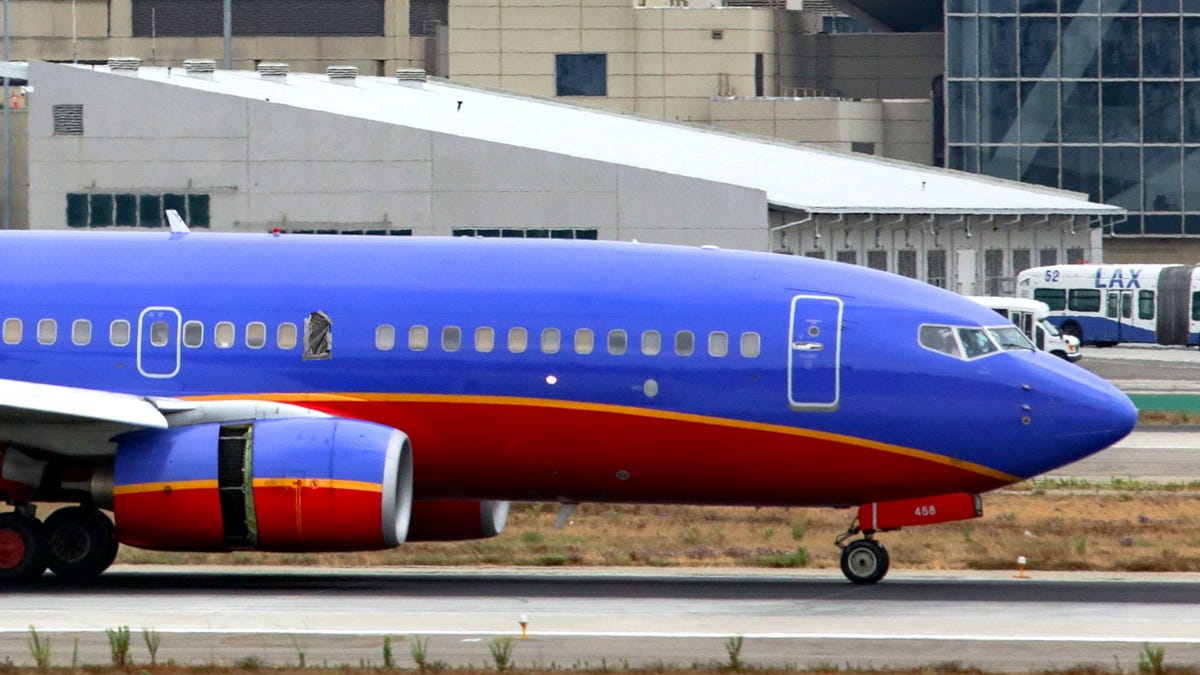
[(318, 336)]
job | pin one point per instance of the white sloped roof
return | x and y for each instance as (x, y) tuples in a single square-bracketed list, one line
[(792, 176)]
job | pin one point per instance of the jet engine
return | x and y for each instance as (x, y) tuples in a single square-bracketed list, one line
[(289, 484), (456, 520)]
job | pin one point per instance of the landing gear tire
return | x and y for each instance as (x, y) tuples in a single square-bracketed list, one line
[(80, 543), (22, 548), (865, 561)]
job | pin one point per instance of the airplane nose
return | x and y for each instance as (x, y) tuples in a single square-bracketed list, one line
[(1087, 415)]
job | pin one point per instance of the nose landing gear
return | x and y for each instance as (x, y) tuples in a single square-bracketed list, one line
[(864, 561)]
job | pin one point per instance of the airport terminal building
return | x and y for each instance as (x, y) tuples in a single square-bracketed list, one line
[(112, 146)]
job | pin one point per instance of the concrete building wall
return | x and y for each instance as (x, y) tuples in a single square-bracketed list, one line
[(898, 129), (18, 198), (264, 165), (42, 29)]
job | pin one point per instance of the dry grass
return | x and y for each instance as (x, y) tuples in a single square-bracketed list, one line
[(942, 669), (1112, 529)]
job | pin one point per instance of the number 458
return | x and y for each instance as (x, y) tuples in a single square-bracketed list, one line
[(926, 510)]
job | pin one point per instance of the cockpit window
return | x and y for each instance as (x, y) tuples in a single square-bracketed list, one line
[(976, 342), (1010, 337), (964, 342), (940, 339)]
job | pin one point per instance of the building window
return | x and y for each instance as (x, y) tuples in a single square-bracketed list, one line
[(581, 74), (877, 260), (848, 257), (106, 209), (906, 263), (68, 119), (589, 233), (935, 267), (993, 271), (203, 18)]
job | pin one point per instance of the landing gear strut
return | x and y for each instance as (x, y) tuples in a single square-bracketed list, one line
[(864, 561)]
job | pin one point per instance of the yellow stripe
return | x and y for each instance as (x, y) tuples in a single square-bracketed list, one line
[(322, 483), (137, 488), (301, 399)]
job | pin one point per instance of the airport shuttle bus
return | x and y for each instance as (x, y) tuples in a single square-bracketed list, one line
[(1109, 304)]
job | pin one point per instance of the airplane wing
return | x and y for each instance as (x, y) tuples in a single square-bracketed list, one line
[(46, 403), (77, 422)]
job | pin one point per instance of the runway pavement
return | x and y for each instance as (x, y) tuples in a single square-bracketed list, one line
[(640, 617)]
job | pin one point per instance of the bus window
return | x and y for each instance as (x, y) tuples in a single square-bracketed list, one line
[(1084, 300), (1111, 306), (1145, 304), (1127, 305), (1055, 297), (1195, 306)]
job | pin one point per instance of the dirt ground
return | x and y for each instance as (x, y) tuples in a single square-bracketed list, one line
[(1083, 529)]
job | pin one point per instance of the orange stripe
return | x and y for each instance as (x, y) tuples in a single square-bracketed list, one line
[(136, 488), (301, 399), (323, 483)]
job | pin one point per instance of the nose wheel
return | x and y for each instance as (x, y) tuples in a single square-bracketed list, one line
[(864, 561)]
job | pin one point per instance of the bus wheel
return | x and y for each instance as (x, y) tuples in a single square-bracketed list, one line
[(1071, 328)]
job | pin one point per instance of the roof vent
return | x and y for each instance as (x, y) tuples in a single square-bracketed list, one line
[(273, 72), (201, 68), (342, 74), (407, 75), (124, 65)]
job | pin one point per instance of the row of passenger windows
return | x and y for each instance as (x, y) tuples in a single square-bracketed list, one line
[(583, 341), (119, 332), (1117, 302)]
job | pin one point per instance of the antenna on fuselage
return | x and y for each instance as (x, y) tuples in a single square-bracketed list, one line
[(176, 222)]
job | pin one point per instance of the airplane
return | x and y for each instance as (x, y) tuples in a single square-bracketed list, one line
[(282, 392)]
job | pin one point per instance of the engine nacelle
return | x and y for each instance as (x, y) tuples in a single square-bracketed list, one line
[(290, 484), (456, 520)]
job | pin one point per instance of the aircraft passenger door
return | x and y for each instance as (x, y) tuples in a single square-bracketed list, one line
[(158, 343), (814, 353)]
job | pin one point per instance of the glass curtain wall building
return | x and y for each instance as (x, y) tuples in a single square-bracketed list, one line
[(1096, 96)]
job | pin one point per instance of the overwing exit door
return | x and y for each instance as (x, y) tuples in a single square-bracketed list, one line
[(814, 353), (158, 344)]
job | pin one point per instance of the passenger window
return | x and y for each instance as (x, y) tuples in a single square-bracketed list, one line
[(1055, 297), (47, 332), (1195, 308), (12, 331), (551, 340), (118, 333), (585, 341), (685, 343), (751, 345), (617, 342), (485, 339), (193, 334), (1083, 300), (224, 334), (976, 342), (451, 339), (1126, 305), (285, 335), (939, 339), (256, 335), (385, 337), (718, 343), (81, 332), (418, 338), (1145, 304), (651, 342), (1111, 305), (160, 334), (518, 340)]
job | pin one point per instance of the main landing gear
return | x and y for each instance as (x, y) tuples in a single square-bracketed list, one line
[(76, 543)]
